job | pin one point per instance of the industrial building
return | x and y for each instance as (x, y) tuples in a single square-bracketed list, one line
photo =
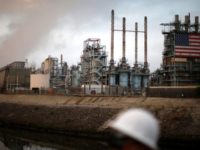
[(15, 76), (93, 62), (93, 75), (93, 66), (52, 75), (73, 80), (181, 54), (124, 79), (39, 82)]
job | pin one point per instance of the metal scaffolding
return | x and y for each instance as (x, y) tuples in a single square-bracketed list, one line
[(57, 71), (181, 56), (93, 62)]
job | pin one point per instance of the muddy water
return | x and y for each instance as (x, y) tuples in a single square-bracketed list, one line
[(23, 147), (15, 139), (19, 139), (20, 144)]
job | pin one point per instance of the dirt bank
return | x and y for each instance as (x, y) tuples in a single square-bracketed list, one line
[(179, 118)]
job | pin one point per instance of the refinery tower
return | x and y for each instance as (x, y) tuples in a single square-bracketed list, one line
[(181, 54)]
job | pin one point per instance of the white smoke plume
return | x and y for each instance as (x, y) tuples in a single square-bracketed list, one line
[(28, 22), (34, 29)]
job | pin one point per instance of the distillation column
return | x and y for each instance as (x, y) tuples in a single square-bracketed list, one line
[(196, 24), (136, 76), (145, 78), (112, 73), (123, 39), (145, 43), (123, 70), (112, 38)]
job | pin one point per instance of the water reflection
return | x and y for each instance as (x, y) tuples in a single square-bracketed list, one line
[(24, 147), (16, 144), (36, 147), (19, 139), (2, 146), (15, 139)]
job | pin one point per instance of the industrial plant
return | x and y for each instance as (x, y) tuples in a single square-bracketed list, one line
[(51, 75), (15, 76), (181, 54), (98, 76)]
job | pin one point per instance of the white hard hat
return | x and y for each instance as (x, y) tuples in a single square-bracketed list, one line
[(138, 124)]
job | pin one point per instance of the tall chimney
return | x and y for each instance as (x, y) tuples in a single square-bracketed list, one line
[(177, 26), (189, 18), (145, 42), (61, 63), (61, 60), (123, 38), (112, 38), (136, 44), (186, 23), (196, 24)]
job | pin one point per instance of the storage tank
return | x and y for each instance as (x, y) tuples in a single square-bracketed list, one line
[(136, 82), (145, 81), (112, 79), (123, 79), (75, 76)]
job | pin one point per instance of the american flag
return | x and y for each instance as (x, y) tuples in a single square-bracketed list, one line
[(187, 45)]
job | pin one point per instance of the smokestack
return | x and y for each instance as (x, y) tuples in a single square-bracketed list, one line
[(189, 18), (61, 60), (136, 44), (123, 38), (187, 23), (145, 42), (176, 18), (177, 22), (196, 24), (112, 37)]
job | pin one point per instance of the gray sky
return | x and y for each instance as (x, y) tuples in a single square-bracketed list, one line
[(35, 29)]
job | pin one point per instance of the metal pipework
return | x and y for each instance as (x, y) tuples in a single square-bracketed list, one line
[(196, 24), (123, 37), (112, 35), (136, 43), (145, 42)]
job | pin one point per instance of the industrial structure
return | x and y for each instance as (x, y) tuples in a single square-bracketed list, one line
[(15, 76), (51, 75), (122, 78), (93, 62), (181, 54), (73, 81), (93, 75), (114, 79)]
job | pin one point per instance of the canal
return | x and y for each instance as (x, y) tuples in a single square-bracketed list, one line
[(73, 123), (22, 139)]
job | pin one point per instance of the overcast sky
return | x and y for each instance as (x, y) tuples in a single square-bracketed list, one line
[(35, 29)]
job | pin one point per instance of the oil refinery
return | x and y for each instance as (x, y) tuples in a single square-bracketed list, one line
[(66, 106), (181, 54), (96, 75)]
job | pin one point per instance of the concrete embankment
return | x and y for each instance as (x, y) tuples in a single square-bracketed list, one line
[(174, 91), (179, 118)]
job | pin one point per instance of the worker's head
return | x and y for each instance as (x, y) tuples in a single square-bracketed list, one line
[(136, 129)]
